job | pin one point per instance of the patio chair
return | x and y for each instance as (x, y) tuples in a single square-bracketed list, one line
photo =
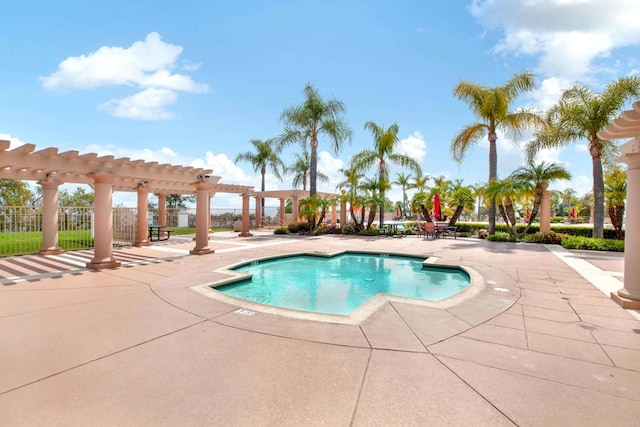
[(430, 230), (420, 229)]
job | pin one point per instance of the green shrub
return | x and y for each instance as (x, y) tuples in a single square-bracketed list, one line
[(370, 232), (549, 238), (350, 228), (500, 236), (298, 227), (281, 230), (592, 244)]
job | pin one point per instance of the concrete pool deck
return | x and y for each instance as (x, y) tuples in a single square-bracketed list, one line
[(540, 344)]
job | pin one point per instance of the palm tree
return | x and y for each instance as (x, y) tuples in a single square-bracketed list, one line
[(351, 182), (462, 198), (615, 188), (403, 180), (581, 114), (300, 169), (384, 143), (491, 107), (539, 175), (266, 155), (421, 182), (504, 193), (308, 208), (305, 123)]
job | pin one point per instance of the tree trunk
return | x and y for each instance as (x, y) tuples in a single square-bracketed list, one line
[(493, 173), (372, 216), (616, 214), (456, 215), (598, 198), (313, 168), (264, 172)]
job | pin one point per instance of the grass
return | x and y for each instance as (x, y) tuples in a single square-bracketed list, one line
[(30, 242)]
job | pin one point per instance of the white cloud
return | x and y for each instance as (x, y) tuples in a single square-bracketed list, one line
[(145, 64), (148, 104), (549, 92), (13, 142), (567, 35), (414, 146), (330, 166)]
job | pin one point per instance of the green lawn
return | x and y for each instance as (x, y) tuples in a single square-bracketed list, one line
[(21, 243)]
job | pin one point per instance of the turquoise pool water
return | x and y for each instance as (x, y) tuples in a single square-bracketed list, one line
[(340, 284)]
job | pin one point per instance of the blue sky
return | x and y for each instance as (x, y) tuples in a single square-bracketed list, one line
[(192, 83)]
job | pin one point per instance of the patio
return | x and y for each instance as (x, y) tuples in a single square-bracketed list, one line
[(540, 345)]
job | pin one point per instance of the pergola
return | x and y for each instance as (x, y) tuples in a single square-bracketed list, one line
[(107, 174), (295, 196), (628, 126)]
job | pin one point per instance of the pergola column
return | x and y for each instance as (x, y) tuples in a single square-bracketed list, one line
[(202, 223), (103, 223), (258, 212), (49, 218), (294, 208), (246, 218), (162, 209), (282, 217), (629, 295), (142, 238), (545, 209)]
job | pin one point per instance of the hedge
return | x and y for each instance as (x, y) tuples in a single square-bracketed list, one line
[(571, 230)]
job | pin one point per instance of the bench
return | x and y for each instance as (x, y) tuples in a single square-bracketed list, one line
[(159, 233)]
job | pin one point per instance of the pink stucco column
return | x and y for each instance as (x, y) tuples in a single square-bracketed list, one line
[(162, 209), (294, 208), (258, 212), (49, 218), (103, 223), (282, 217), (333, 211), (202, 222), (629, 295), (142, 230), (343, 213), (246, 216), (545, 210)]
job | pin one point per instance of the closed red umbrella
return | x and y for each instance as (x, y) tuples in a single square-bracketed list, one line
[(437, 213), (573, 213)]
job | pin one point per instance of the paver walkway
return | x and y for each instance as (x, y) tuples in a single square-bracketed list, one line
[(539, 345)]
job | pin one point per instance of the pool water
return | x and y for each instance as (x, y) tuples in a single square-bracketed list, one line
[(340, 284)]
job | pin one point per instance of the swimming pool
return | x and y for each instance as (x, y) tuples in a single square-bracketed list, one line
[(342, 283)]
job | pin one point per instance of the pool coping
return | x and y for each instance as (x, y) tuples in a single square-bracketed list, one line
[(246, 307)]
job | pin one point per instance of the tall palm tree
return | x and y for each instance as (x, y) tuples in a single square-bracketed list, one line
[(540, 175), (404, 180), (384, 144), (615, 188), (504, 193), (305, 123), (491, 106), (300, 169), (580, 115), (266, 155)]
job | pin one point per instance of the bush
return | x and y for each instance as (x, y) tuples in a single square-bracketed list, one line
[(590, 243), (281, 230), (350, 228), (549, 238), (500, 236), (298, 227), (482, 233), (325, 228)]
